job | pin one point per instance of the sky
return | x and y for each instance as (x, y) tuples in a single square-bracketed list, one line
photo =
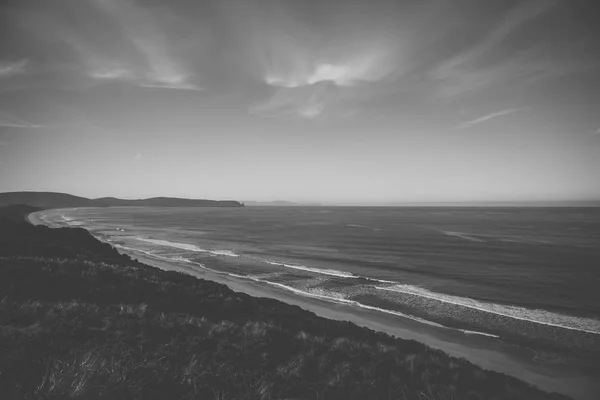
[(341, 102)]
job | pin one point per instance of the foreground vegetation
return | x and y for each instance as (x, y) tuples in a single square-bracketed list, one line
[(78, 320)]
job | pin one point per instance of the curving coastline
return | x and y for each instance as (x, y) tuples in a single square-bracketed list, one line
[(481, 349)]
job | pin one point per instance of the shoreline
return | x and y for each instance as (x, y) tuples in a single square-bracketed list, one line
[(33, 219), (486, 352)]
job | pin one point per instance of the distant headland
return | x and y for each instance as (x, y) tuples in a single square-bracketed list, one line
[(63, 200)]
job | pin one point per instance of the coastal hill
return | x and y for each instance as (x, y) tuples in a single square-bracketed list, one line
[(78, 320), (46, 200), (167, 202)]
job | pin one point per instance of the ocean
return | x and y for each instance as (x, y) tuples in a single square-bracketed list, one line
[(530, 275)]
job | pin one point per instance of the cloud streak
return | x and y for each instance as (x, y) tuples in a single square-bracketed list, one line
[(8, 68), (488, 117), (114, 41), (147, 37), (314, 73), (12, 121), (300, 60), (460, 75)]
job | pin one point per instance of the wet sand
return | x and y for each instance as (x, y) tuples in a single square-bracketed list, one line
[(34, 218), (486, 352)]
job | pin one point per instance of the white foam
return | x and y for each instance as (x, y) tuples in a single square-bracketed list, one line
[(330, 272), (468, 332), (65, 218), (187, 246), (342, 300), (167, 258), (465, 236), (314, 293), (543, 317), (183, 246), (382, 280), (503, 238), (227, 253), (523, 240)]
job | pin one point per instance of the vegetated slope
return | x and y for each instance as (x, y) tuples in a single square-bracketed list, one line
[(79, 320), (16, 213), (46, 200), (167, 202)]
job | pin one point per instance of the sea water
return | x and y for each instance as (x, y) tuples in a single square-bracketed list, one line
[(507, 272)]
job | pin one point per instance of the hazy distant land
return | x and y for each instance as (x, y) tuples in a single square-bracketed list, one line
[(62, 200)]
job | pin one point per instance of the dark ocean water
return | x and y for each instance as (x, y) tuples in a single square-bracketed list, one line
[(526, 272)]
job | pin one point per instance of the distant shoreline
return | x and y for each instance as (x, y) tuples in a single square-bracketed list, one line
[(486, 352), (51, 200)]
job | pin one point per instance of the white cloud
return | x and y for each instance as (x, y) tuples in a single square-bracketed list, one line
[(371, 63), (313, 70), (307, 102), (12, 121), (457, 75), (143, 30), (112, 73), (307, 87), (116, 40), (487, 117), (8, 68)]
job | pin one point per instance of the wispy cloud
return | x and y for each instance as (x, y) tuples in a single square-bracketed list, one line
[(8, 68), (143, 30), (111, 73), (487, 117), (459, 74), (116, 41), (314, 75), (12, 121), (137, 157), (305, 102), (368, 65)]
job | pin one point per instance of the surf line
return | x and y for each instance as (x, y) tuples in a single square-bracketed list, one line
[(393, 289), (360, 305), (341, 274), (302, 292)]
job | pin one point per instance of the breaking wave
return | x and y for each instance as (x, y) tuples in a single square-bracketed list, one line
[(187, 246), (537, 316), (543, 317)]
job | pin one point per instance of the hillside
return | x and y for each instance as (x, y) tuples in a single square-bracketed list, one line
[(166, 202), (46, 200), (80, 321)]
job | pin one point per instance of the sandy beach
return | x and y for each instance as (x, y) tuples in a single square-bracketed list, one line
[(486, 352), (35, 218)]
